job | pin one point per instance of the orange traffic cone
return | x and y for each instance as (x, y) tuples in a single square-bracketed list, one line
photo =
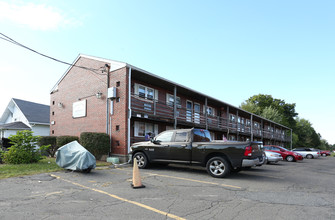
[(136, 177)]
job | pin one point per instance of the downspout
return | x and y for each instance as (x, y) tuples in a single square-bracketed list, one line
[(129, 108), (107, 103)]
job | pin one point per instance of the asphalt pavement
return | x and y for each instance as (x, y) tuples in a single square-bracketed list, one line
[(287, 190)]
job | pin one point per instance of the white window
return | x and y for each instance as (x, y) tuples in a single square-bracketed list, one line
[(142, 128), (146, 92), (232, 118), (210, 111), (170, 100)]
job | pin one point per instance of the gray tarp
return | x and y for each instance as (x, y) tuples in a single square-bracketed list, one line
[(73, 156)]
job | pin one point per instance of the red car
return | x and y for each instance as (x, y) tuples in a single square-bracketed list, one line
[(286, 154), (325, 153)]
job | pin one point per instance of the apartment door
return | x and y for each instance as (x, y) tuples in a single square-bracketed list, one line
[(189, 111), (197, 113)]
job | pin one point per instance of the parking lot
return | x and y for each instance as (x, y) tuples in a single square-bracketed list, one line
[(302, 190)]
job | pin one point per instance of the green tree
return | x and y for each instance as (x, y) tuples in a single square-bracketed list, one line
[(306, 133), (24, 148), (271, 114), (285, 110)]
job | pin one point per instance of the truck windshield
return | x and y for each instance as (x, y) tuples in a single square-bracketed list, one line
[(200, 135)]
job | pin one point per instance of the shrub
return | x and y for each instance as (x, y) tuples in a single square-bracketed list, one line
[(62, 140), (49, 140), (97, 144), (24, 148)]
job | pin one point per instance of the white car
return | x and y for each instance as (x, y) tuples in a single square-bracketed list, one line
[(273, 157), (307, 152)]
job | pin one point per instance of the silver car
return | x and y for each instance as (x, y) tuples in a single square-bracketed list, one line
[(307, 152), (273, 157)]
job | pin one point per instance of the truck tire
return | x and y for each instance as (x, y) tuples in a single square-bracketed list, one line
[(218, 167), (142, 160)]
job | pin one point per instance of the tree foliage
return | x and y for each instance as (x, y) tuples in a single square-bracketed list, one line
[(277, 110), (24, 148), (307, 135), (285, 112)]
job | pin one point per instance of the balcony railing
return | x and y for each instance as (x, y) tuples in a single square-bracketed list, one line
[(164, 110)]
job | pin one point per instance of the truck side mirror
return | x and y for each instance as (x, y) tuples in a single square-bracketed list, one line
[(153, 140)]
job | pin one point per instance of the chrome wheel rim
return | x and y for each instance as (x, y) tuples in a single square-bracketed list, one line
[(140, 160), (217, 167)]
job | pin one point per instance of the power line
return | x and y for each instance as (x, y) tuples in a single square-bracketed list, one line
[(6, 38)]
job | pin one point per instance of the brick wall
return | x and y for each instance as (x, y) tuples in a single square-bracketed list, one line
[(119, 118)]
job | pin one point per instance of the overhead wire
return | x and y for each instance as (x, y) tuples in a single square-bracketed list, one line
[(6, 38)]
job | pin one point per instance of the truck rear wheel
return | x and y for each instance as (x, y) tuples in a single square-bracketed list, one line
[(218, 167)]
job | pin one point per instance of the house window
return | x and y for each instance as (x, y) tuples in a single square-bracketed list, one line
[(145, 92), (232, 118), (118, 99), (117, 143), (117, 128), (210, 111), (170, 100), (248, 123), (142, 128), (118, 84)]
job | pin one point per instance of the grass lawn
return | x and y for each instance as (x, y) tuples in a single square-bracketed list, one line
[(44, 166)]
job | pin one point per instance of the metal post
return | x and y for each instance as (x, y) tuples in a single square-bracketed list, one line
[(251, 127), (237, 128), (175, 107), (206, 114), (291, 139)]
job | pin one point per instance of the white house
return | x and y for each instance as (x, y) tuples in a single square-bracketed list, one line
[(25, 115)]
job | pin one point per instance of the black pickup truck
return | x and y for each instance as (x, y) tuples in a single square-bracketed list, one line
[(195, 147)]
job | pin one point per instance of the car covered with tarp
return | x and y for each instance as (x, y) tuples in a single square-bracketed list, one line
[(73, 156)]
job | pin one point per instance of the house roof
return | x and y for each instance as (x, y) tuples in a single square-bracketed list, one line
[(15, 126), (34, 112)]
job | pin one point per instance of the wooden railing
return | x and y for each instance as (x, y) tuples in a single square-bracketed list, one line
[(165, 110)]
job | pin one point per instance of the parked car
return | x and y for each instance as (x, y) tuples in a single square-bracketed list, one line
[(286, 154), (325, 153), (307, 152), (194, 146), (272, 157)]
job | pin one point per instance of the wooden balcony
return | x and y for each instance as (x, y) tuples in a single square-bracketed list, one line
[(164, 112)]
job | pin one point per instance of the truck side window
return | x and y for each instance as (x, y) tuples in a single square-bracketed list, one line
[(181, 137), (200, 136), (164, 137)]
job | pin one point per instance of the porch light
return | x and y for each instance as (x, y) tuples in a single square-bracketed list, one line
[(98, 95)]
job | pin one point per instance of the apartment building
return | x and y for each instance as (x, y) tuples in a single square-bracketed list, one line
[(128, 103)]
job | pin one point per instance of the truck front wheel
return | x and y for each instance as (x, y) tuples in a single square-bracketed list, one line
[(218, 167), (142, 161)]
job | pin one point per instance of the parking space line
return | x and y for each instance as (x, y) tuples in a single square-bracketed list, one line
[(122, 199), (193, 180)]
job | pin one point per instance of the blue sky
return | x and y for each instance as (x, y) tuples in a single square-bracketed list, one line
[(230, 50)]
